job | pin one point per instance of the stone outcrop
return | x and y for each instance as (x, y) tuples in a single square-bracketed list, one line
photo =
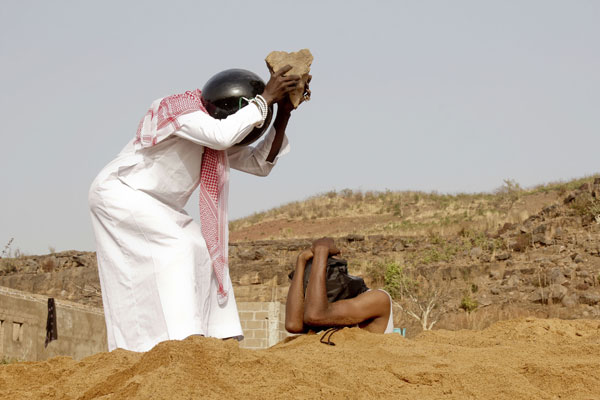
[(506, 267)]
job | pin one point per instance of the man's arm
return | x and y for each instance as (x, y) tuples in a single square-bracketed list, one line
[(319, 312), (294, 306), (253, 160), (261, 159), (202, 129), (284, 111)]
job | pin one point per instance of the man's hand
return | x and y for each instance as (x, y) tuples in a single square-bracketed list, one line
[(279, 85), (325, 244), (307, 92), (305, 255), (285, 106)]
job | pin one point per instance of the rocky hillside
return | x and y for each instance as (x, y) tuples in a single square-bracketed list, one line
[(489, 257)]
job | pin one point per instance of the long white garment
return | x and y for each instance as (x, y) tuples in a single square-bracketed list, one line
[(155, 270)]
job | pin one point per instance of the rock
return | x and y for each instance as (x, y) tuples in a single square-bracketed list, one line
[(527, 271), (556, 292), (399, 246), (450, 273), (582, 286), (556, 276), (483, 300), (248, 255), (582, 273), (503, 256), (591, 281), (558, 232), (522, 242), (505, 228), (497, 271), (591, 248), (300, 62), (476, 252), (549, 209), (589, 298), (537, 297), (250, 279), (570, 197), (541, 238), (375, 238), (7, 267), (569, 300), (354, 238), (513, 281)]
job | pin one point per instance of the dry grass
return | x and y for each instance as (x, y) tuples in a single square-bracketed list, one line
[(484, 317), (411, 213)]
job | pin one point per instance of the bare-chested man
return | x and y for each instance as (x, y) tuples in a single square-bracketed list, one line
[(370, 310)]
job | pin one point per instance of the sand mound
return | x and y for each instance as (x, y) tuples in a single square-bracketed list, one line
[(521, 359)]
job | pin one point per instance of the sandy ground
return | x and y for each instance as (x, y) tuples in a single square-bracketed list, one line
[(521, 359)]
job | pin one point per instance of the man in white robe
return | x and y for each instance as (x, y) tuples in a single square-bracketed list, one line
[(154, 265)]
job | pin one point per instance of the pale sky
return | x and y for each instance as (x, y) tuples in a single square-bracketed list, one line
[(451, 96)]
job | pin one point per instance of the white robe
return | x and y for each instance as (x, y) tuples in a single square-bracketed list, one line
[(155, 270)]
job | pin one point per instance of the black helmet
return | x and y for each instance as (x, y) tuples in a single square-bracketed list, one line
[(222, 96)]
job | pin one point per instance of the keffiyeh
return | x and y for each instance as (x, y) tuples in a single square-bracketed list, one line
[(160, 121)]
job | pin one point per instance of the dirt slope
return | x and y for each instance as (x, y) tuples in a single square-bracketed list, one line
[(519, 359)]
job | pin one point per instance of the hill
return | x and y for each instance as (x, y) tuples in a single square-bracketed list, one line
[(480, 257)]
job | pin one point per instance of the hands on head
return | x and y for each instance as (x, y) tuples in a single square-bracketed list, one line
[(325, 244), (305, 255)]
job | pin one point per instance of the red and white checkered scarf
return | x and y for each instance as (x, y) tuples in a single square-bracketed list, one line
[(161, 121)]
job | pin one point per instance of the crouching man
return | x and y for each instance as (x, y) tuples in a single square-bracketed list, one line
[(330, 298)]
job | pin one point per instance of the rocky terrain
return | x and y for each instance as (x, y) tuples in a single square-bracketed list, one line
[(541, 258)]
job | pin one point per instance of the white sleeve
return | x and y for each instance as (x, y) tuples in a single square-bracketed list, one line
[(253, 160), (218, 134)]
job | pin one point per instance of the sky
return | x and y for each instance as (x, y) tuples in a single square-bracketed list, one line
[(446, 96)]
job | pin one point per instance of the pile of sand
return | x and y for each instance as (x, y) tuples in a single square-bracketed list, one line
[(522, 359)]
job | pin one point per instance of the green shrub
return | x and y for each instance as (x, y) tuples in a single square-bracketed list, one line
[(468, 304), (397, 282)]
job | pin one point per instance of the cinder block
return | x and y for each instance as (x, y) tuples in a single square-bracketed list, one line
[(255, 343), (258, 306), (261, 315), (246, 315), (260, 334), (256, 324)]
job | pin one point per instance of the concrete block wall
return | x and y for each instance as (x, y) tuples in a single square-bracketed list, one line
[(81, 329), (263, 324)]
